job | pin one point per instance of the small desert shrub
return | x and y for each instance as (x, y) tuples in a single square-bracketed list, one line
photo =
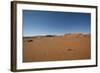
[(30, 40), (69, 49)]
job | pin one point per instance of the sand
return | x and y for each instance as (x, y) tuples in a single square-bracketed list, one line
[(56, 48)]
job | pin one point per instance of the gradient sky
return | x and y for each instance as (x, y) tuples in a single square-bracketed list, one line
[(53, 23)]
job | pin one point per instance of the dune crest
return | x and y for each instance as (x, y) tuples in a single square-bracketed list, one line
[(75, 35)]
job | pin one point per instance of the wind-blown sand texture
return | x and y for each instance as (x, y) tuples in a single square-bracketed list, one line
[(54, 48)]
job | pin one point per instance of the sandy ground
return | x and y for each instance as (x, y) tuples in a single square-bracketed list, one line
[(66, 47)]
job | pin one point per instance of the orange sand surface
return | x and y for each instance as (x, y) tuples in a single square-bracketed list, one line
[(54, 48)]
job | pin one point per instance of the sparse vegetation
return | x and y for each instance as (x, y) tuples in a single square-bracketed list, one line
[(30, 40)]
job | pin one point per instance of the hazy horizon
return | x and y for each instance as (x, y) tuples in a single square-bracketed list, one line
[(36, 23), (56, 34)]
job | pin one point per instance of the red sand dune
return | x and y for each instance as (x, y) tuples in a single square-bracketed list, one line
[(53, 48)]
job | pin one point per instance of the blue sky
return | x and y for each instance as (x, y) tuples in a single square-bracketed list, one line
[(54, 23)]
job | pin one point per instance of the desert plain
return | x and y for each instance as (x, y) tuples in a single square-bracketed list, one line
[(73, 46)]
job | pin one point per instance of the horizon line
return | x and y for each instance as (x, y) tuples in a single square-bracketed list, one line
[(56, 34)]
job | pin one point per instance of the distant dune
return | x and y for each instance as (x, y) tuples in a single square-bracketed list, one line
[(74, 46), (76, 35)]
